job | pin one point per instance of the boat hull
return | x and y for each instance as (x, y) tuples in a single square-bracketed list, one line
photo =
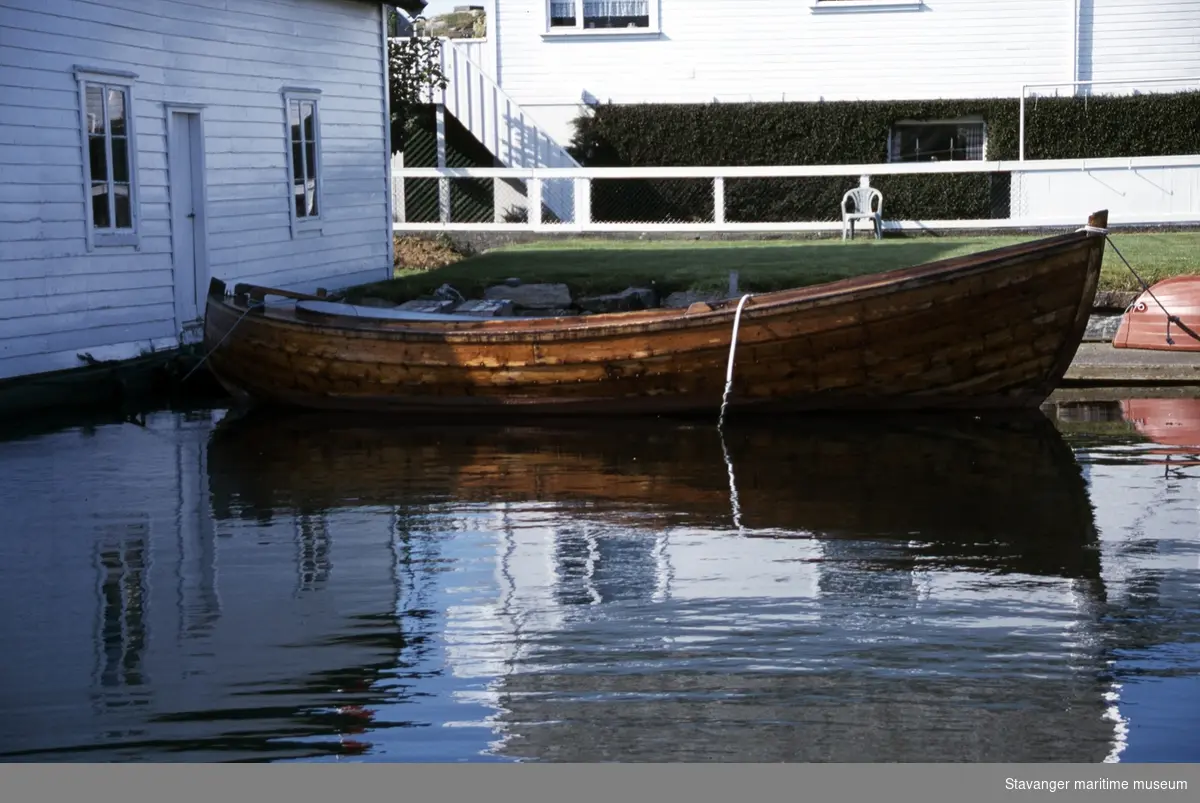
[(993, 330), (1146, 326)]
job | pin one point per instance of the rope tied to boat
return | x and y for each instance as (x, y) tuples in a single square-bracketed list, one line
[(733, 494), (737, 318), (1171, 319), (251, 305)]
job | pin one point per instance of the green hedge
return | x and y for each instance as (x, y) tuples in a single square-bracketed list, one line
[(856, 132)]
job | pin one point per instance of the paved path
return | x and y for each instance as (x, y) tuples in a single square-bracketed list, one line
[(1100, 362)]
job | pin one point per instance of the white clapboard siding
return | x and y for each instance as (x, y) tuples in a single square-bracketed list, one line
[(57, 299), (1140, 39)]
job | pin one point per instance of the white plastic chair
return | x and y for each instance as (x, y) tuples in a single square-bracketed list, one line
[(865, 207)]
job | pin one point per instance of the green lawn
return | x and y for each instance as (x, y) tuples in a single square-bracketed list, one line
[(602, 266)]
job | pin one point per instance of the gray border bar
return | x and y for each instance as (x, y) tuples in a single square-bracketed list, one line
[(532, 783)]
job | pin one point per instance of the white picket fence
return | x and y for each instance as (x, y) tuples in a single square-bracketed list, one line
[(1043, 193)]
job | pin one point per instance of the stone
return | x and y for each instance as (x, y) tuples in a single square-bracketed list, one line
[(512, 281), (485, 308), (531, 296), (685, 298), (1114, 299), (631, 298), (1101, 328), (428, 305)]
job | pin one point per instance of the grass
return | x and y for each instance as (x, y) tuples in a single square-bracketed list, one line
[(606, 266)]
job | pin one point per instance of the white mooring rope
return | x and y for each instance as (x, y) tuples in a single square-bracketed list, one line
[(733, 494), (737, 317)]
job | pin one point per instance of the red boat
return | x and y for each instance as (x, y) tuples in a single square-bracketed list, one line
[(1146, 326)]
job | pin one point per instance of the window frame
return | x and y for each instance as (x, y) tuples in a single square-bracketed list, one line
[(304, 223), (955, 121), (125, 81), (653, 29)]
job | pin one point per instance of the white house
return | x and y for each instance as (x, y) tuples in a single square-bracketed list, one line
[(148, 145), (542, 61)]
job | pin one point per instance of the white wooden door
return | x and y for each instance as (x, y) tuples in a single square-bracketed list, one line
[(186, 146)]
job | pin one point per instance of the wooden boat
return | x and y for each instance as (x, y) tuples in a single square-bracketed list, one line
[(996, 329), (1146, 326)]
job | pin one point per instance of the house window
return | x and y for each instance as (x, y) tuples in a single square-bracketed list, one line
[(606, 15), (937, 141), (109, 156), (304, 164)]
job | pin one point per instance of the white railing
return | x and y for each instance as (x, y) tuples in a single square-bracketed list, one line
[(1042, 193), (475, 99), (477, 51)]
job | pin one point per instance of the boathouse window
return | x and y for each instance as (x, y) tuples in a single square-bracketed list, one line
[(109, 156), (936, 141), (304, 162), (602, 16)]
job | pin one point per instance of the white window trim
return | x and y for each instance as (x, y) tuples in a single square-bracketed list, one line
[(863, 6), (124, 80), (303, 225), (653, 30)]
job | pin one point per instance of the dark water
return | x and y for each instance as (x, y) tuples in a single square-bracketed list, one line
[(273, 588)]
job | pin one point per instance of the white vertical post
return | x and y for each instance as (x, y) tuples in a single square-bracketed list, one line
[(719, 200), (1021, 129), (443, 182), (583, 203), (398, 210), (533, 192)]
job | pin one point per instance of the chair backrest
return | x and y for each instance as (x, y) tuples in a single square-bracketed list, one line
[(864, 197)]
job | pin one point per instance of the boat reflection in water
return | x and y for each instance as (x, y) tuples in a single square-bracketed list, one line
[(902, 589), (1174, 423)]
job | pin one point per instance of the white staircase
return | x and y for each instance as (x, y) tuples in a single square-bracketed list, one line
[(474, 98)]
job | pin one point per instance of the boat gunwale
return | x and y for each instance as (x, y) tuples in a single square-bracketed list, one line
[(757, 306)]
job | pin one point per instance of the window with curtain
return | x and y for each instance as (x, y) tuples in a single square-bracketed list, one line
[(600, 14)]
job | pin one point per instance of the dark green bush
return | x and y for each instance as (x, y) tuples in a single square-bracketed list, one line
[(856, 132)]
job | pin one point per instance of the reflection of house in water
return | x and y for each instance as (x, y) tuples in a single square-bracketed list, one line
[(769, 650), (900, 594), (166, 636)]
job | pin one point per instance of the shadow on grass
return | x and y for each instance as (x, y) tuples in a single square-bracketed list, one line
[(610, 267)]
